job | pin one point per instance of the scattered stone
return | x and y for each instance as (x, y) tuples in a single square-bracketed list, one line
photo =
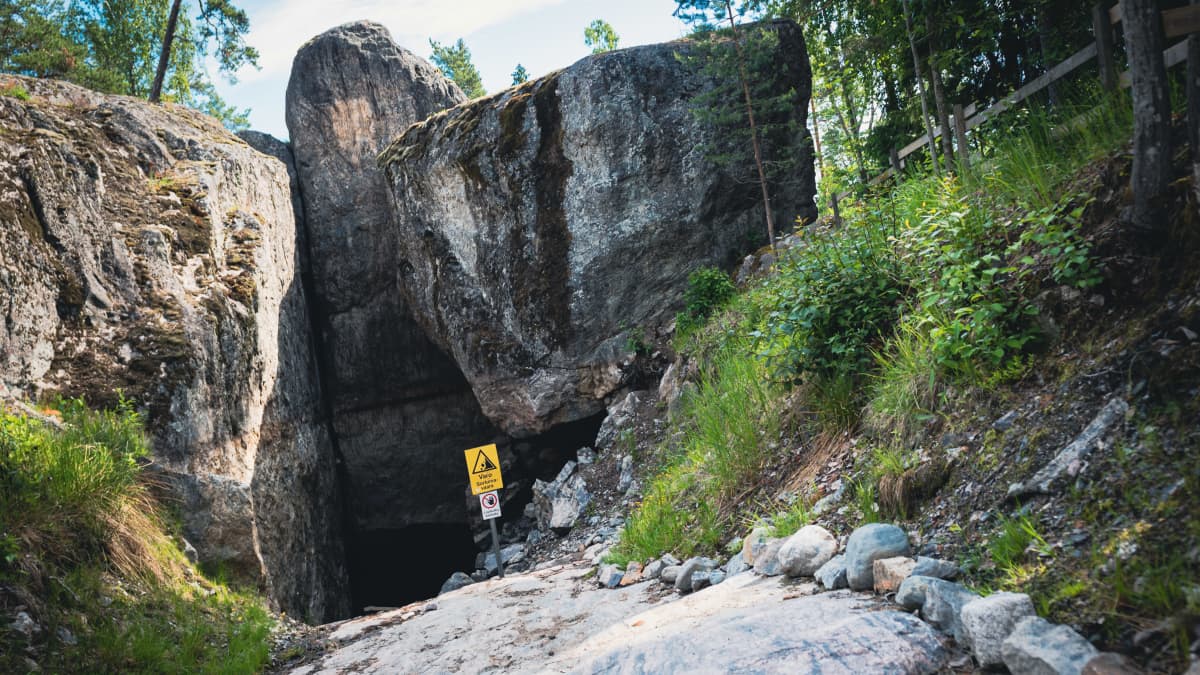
[(868, 544), (653, 569), (803, 553), (669, 559), (889, 573), (767, 561), (683, 582), (429, 607), (593, 553), (933, 567), (65, 636), (633, 574), (824, 504), (1108, 663), (1069, 460), (987, 622), (620, 417), (457, 581), (609, 576), (513, 553), (1006, 421), (561, 501), (190, 552), (754, 543), (670, 574), (1038, 647), (736, 565), (625, 481), (716, 576), (25, 625), (585, 456), (943, 605), (32, 666), (832, 574), (701, 580)]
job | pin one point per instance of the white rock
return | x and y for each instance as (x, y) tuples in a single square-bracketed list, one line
[(803, 553)]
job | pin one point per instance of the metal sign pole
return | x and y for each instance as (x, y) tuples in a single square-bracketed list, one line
[(496, 547)]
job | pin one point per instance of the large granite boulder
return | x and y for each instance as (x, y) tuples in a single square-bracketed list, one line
[(402, 412), (540, 226), (146, 250)]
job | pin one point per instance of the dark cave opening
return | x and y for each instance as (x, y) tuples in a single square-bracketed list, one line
[(394, 567), (391, 568)]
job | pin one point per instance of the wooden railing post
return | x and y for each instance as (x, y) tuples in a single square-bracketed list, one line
[(894, 158), (1102, 27), (960, 132)]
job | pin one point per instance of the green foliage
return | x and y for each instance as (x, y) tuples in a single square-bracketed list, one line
[(1008, 546), (862, 492), (788, 522), (723, 106), (600, 36), (113, 46), (62, 485), (708, 289), (727, 424), (903, 393), (455, 63), (836, 297), (520, 75), (79, 531), (15, 91)]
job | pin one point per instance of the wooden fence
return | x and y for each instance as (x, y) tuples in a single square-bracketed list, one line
[(1176, 23)]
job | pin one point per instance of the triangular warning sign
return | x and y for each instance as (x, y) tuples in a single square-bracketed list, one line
[(483, 464)]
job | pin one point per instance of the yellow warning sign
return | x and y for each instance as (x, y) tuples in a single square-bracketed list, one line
[(483, 468)]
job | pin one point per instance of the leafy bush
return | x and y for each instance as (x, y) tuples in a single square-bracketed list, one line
[(836, 296), (708, 289)]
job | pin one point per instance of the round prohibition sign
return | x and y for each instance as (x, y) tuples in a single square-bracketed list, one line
[(489, 500)]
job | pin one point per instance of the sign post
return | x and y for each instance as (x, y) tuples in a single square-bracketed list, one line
[(483, 469)]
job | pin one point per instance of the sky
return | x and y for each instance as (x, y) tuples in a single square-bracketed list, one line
[(543, 35)]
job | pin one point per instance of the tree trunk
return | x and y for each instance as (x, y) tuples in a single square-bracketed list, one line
[(912, 43), (812, 105), (1045, 31), (1151, 113), (1102, 28), (762, 175), (939, 98), (1193, 112), (164, 56), (939, 101)]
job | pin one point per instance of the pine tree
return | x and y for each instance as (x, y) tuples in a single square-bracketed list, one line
[(455, 63), (520, 75)]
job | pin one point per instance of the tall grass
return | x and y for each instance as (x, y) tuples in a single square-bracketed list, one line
[(78, 525), (728, 423)]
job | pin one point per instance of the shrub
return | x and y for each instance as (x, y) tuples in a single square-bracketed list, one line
[(708, 289), (837, 295)]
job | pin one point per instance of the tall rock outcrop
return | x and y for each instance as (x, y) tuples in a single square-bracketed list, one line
[(402, 411), (542, 224), (145, 249)]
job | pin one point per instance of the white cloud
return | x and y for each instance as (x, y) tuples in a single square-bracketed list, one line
[(277, 31)]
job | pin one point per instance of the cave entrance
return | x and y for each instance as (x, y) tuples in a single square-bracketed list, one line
[(394, 567), (391, 568)]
